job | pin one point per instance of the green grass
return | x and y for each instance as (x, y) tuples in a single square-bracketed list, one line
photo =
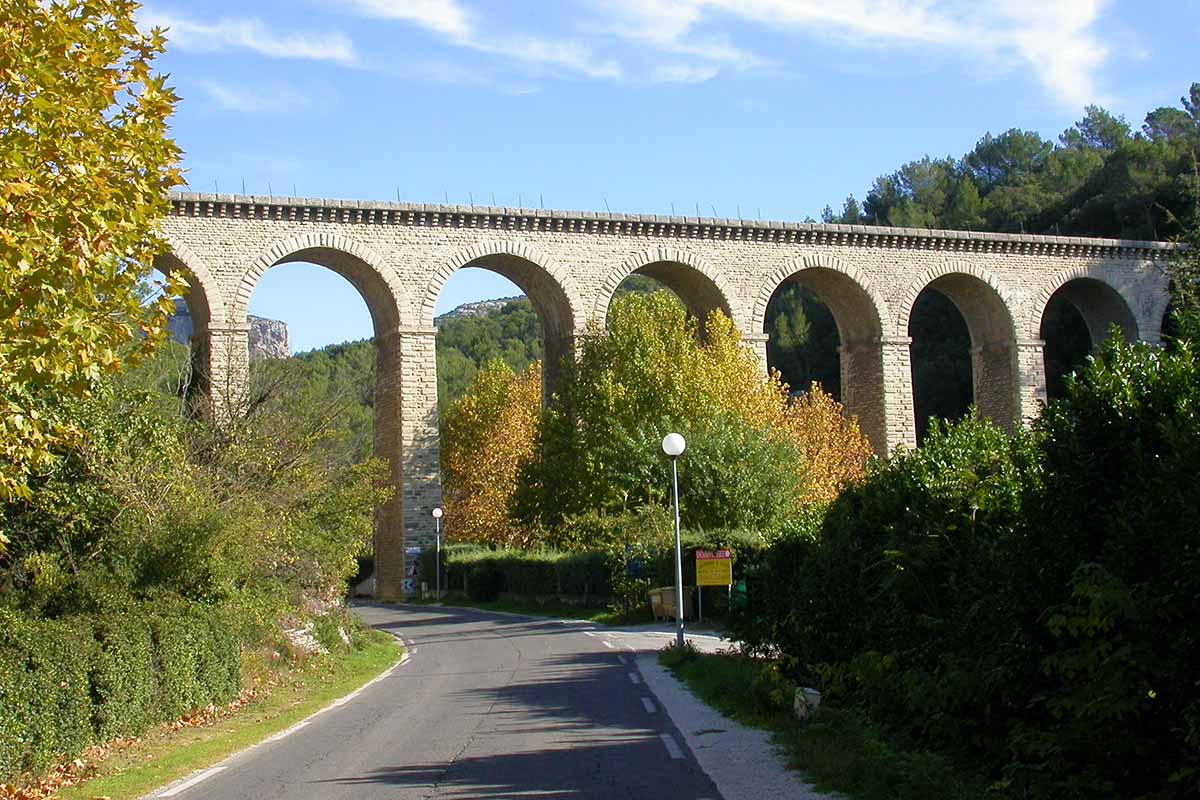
[(601, 616), (838, 749), (163, 755)]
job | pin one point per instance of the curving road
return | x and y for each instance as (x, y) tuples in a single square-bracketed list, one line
[(486, 706)]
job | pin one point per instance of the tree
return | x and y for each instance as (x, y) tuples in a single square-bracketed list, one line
[(487, 437), (84, 168), (648, 373)]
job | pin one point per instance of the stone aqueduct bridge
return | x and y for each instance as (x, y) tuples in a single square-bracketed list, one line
[(399, 256)]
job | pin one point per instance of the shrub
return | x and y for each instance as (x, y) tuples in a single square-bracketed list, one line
[(124, 684), (1113, 583), (44, 692)]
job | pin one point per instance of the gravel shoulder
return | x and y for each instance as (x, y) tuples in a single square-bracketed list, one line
[(742, 761)]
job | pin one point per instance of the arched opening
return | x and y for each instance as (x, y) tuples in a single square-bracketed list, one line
[(1077, 318), (963, 352), (534, 284), (683, 276), (332, 375), (823, 326), (185, 363), (481, 317), (698, 293)]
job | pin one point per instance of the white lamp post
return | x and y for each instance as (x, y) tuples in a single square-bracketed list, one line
[(674, 445), (437, 521)]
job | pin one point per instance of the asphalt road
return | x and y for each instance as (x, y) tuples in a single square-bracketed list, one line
[(486, 706)]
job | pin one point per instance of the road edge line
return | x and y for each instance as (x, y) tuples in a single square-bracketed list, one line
[(190, 780)]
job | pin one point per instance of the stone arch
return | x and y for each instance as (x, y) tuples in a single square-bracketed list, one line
[(205, 301), (543, 279), (386, 298), (854, 281), (700, 286), (949, 269), (547, 284), (860, 314), (1098, 301), (987, 307)]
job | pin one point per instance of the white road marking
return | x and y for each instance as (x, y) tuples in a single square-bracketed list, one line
[(171, 791), (589, 633), (649, 704), (190, 782), (634, 678), (607, 644), (672, 746)]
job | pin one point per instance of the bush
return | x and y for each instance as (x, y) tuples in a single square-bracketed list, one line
[(1114, 581), (908, 572), (124, 683), (1024, 602), (68, 683), (44, 692)]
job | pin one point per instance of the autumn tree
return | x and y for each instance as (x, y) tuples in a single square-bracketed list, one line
[(649, 373), (85, 163), (487, 436)]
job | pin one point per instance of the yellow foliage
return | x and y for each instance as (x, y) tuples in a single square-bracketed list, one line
[(486, 436), (833, 448)]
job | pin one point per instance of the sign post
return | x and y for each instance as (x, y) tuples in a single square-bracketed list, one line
[(713, 568)]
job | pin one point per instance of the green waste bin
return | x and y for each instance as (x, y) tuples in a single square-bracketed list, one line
[(738, 599)]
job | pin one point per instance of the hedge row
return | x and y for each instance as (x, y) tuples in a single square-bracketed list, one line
[(65, 684), (483, 573)]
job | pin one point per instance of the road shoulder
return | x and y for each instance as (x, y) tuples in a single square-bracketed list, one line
[(742, 761)]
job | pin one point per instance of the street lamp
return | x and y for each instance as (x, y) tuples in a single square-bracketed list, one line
[(673, 445), (437, 521)]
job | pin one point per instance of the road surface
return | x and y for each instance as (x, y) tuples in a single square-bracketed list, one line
[(486, 706)]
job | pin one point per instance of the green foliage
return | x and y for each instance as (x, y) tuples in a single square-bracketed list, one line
[(66, 684), (483, 574), (84, 168), (1023, 602), (1114, 575), (644, 375), (512, 334)]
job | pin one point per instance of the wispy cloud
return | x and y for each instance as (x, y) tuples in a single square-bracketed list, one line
[(1055, 39), (446, 17), (249, 34), (455, 23), (256, 99), (685, 73)]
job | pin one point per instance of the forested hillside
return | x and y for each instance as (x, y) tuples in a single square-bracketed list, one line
[(1101, 177)]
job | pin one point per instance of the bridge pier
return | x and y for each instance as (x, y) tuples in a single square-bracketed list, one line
[(1031, 371), (901, 420)]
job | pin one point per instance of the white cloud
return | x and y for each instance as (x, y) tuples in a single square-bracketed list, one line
[(451, 20), (446, 17), (685, 73), (1052, 38), (256, 99), (225, 34)]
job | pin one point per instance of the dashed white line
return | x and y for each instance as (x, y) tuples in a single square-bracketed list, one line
[(183, 787), (649, 704), (672, 746)]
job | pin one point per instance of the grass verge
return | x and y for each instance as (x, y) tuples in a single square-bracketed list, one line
[(838, 749), (163, 755)]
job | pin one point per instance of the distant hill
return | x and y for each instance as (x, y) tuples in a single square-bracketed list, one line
[(477, 309)]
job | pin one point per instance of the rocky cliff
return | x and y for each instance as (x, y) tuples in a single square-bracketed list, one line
[(268, 337)]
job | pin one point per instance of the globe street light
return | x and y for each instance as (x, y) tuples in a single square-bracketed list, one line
[(437, 521), (674, 445)]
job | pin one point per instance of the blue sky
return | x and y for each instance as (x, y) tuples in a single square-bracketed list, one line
[(767, 108)]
